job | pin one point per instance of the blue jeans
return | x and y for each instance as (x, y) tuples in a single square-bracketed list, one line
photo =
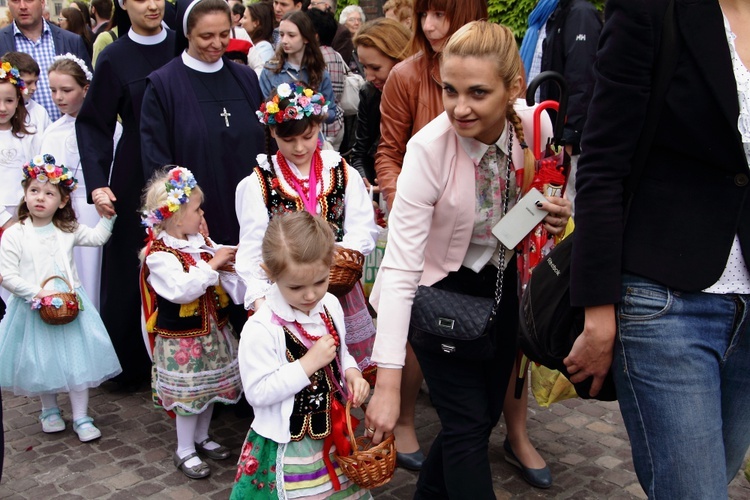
[(682, 372)]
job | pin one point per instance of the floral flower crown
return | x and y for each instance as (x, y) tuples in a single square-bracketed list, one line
[(291, 103), (43, 169), (80, 62), (9, 73), (179, 185)]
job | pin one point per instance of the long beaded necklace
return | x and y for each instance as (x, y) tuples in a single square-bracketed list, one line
[(329, 327), (307, 189)]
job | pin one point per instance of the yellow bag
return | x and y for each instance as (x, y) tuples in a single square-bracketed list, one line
[(550, 386)]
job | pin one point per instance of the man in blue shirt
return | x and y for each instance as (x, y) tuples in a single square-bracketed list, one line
[(31, 34)]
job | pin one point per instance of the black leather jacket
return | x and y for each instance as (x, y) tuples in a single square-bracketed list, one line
[(367, 136)]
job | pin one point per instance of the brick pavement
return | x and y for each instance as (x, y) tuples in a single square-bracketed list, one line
[(584, 442)]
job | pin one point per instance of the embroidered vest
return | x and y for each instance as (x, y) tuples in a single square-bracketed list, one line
[(193, 319), (311, 414), (279, 201)]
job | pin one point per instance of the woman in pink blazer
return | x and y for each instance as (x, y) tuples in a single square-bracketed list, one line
[(448, 198)]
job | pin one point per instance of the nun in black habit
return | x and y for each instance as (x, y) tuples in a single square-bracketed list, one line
[(199, 113), (117, 89)]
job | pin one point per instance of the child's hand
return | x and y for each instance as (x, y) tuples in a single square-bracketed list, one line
[(358, 387), (221, 257), (103, 199), (320, 354), (45, 293)]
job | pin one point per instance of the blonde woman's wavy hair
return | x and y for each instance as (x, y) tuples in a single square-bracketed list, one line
[(497, 43)]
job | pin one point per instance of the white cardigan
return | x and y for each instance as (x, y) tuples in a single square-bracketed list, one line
[(25, 263), (269, 379)]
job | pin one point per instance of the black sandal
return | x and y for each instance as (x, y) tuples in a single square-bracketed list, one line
[(199, 471)]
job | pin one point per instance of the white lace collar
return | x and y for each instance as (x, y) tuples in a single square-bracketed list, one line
[(194, 242), (330, 158)]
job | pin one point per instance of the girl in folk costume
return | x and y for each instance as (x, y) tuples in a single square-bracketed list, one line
[(192, 344), (293, 357), (37, 358), (69, 79), (17, 142), (302, 177)]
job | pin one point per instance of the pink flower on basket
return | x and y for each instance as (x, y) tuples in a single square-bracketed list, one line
[(196, 350), (187, 342), (181, 357)]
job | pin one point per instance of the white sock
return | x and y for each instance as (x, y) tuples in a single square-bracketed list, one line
[(201, 430), (48, 401), (185, 431), (79, 402)]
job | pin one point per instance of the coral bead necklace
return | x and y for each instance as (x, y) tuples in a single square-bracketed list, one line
[(329, 327), (307, 189)]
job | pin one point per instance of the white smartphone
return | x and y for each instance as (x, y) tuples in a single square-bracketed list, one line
[(520, 220)]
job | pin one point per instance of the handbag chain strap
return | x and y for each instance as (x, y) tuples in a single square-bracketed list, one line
[(501, 248)]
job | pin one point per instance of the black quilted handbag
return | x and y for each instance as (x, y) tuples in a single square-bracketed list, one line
[(453, 323)]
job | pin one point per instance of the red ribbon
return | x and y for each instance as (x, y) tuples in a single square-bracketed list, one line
[(339, 437)]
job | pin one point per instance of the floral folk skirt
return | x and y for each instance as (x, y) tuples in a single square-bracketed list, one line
[(191, 373), (268, 470)]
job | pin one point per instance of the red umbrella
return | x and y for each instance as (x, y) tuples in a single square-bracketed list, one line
[(552, 167)]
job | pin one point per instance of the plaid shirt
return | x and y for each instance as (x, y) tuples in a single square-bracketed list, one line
[(336, 70), (43, 52)]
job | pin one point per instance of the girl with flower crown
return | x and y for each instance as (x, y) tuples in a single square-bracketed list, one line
[(17, 142), (37, 358), (69, 80), (302, 177), (186, 311)]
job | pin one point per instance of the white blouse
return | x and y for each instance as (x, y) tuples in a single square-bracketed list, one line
[(736, 278), (360, 230)]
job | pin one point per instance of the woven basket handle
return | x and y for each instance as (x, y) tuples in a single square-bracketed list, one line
[(70, 288), (348, 255), (352, 437)]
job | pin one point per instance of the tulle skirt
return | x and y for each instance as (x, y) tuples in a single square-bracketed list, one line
[(37, 358)]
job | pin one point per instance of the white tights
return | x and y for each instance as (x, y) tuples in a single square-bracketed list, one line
[(79, 402), (193, 429)]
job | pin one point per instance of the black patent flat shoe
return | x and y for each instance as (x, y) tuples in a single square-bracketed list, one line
[(410, 461), (220, 453), (538, 478), (199, 471)]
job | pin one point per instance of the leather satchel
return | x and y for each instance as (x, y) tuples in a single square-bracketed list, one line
[(453, 323)]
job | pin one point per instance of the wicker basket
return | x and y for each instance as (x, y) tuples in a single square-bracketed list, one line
[(368, 466), (64, 314), (345, 271)]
